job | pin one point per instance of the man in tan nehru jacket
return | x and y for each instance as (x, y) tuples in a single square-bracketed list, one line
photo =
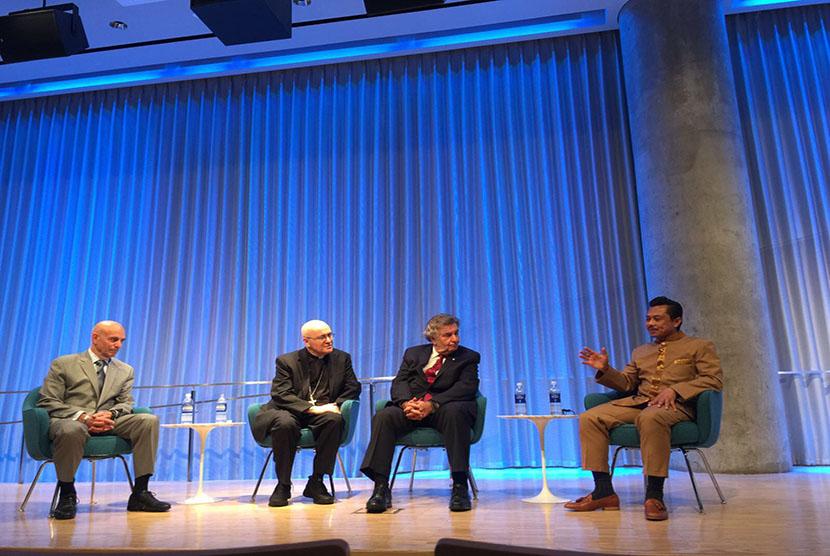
[(665, 376)]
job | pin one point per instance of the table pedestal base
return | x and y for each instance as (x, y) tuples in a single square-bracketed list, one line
[(202, 498), (545, 497)]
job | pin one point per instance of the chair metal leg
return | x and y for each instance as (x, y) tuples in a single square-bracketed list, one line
[(692, 477), (32, 486), (412, 473), (473, 484), (92, 491), (708, 470), (261, 475), (20, 459), (397, 465), (343, 469), (614, 461), (54, 499), (127, 471)]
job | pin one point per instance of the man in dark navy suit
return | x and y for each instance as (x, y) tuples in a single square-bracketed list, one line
[(435, 387)]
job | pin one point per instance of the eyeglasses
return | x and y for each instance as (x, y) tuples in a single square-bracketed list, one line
[(329, 336)]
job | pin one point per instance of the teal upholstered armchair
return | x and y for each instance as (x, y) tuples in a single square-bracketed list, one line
[(424, 438), (686, 437), (349, 409), (39, 447)]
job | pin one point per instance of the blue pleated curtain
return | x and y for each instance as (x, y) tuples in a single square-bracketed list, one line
[(214, 217), (781, 61)]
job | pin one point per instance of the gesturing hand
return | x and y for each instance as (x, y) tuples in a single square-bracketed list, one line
[(589, 357)]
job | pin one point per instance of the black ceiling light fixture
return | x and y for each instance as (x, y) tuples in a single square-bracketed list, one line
[(39, 33), (375, 7), (245, 21)]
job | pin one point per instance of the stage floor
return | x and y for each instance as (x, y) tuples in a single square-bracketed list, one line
[(765, 514)]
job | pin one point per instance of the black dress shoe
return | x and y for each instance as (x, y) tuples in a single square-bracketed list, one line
[(316, 490), (66, 508), (380, 500), (280, 496), (145, 501), (460, 498)]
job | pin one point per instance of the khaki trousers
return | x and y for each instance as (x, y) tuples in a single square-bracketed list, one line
[(69, 437), (653, 424)]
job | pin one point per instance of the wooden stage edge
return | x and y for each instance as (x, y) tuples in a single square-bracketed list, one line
[(764, 514)]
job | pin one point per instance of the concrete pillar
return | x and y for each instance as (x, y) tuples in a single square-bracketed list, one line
[(699, 239)]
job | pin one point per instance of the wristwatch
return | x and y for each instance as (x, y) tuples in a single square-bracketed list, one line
[(85, 418)]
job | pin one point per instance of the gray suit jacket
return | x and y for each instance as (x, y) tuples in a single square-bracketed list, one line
[(72, 386)]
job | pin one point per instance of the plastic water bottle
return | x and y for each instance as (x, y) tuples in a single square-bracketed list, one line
[(520, 399), (221, 410), (555, 398), (187, 410)]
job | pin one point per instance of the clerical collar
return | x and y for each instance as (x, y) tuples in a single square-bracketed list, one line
[(312, 356)]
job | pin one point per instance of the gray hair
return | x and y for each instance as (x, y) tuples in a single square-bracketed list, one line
[(439, 321)]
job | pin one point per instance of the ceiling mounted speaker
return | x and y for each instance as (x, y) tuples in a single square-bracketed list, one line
[(42, 33), (245, 21), (375, 7)]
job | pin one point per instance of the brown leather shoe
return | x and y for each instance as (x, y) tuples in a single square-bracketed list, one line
[(656, 510), (588, 504)]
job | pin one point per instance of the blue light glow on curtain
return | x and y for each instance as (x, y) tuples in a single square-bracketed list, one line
[(781, 60), (214, 217)]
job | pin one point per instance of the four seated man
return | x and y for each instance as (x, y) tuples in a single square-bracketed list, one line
[(91, 393)]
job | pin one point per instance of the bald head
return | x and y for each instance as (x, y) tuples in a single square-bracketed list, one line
[(317, 337), (107, 337)]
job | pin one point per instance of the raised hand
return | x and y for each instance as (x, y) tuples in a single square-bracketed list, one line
[(589, 357)]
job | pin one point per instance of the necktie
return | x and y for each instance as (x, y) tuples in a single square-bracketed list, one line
[(430, 374), (101, 364)]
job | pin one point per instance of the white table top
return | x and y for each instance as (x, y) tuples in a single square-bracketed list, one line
[(201, 425), (543, 418)]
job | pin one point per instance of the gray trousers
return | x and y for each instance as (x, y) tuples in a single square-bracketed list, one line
[(69, 437)]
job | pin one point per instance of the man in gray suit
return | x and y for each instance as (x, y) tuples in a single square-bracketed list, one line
[(91, 393)]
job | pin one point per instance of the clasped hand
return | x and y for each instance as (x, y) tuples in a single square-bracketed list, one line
[(416, 409), (100, 422), (325, 408)]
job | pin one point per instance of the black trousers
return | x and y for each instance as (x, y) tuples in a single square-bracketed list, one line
[(454, 420), (285, 433)]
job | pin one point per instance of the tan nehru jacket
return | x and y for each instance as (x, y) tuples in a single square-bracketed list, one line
[(686, 364)]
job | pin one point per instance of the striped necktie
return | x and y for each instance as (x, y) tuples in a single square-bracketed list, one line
[(101, 364)]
